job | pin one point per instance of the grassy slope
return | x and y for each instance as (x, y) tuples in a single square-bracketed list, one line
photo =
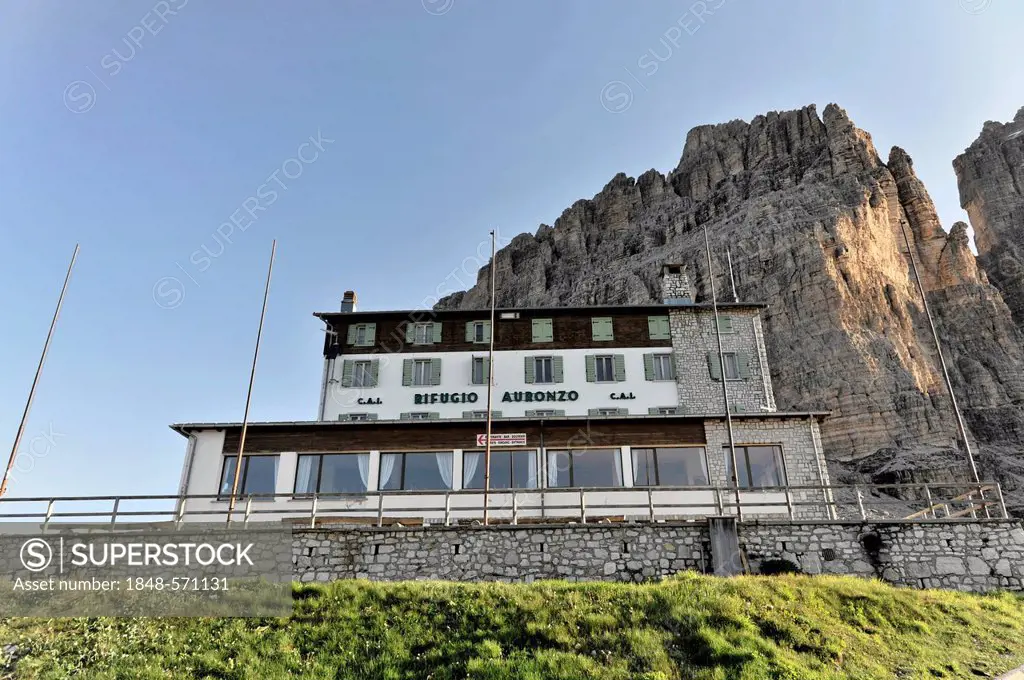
[(688, 627)]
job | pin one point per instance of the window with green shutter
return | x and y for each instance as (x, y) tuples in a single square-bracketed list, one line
[(608, 411), (543, 331), (361, 334), (428, 333), (478, 331), (619, 362), (480, 371), (737, 366), (435, 371), (658, 367), (540, 370), (601, 328), (658, 328), (725, 324), (544, 412), (360, 373)]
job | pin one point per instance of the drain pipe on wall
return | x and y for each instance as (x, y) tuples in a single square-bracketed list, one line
[(725, 383)]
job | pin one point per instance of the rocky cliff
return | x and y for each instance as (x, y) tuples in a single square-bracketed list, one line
[(812, 217)]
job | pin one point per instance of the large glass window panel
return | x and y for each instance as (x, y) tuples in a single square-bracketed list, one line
[(644, 471), (343, 473), (543, 370), (590, 468), (509, 470), (258, 476), (416, 471), (605, 369), (421, 372), (681, 467), (759, 466)]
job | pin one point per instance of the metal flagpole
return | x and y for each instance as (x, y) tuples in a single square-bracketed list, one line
[(252, 378), (725, 385), (490, 390), (938, 349), (35, 380), (732, 279)]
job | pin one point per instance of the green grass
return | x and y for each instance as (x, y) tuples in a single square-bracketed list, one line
[(690, 626)]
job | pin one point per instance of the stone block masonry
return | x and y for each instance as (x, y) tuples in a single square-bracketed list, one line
[(972, 556)]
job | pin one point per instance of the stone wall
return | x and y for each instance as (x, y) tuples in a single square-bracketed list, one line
[(977, 556), (693, 337)]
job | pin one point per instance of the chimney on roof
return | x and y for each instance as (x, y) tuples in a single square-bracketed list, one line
[(348, 301), (675, 285)]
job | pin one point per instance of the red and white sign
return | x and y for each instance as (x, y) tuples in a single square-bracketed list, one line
[(513, 439)]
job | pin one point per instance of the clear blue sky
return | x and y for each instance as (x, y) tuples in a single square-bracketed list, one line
[(139, 136)]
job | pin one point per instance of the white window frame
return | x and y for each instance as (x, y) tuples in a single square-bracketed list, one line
[(361, 334), (423, 333), (359, 417), (362, 373), (419, 415), (422, 372), (662, 363), (538, 374), (598, 360), (479, 331), (607, 411), (667, 411), (482, 362), (545, 412)]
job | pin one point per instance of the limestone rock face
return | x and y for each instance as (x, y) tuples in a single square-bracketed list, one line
[(814, 221)]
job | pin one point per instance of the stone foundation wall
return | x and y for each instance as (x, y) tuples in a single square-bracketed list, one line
[(965, 556)]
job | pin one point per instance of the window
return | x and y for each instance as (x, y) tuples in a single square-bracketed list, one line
[(422, 372), (661, 367), (604, 369), (509, 470), (480, 372), (665, 411), (759, 466), (362, 374), (361, 416), (732, 366), (658, 328), (683, 466), (411, 471), (601, 328), (545, 412), (588, 468), (725, 324), (478, 331), (258, 476), (480, 415), (422, 333), (332, 473), (362, 334), (737, 366), (543, 370), (608, 411), (420, 415), (542, 330)]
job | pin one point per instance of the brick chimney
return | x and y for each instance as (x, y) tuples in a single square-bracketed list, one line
[(348, 301), (675, 285)]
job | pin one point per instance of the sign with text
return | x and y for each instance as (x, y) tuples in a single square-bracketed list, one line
[(512, 439)]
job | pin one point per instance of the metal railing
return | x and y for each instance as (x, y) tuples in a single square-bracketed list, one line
[(904, 502)]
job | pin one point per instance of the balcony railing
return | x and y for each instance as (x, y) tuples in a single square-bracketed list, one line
[(888, 502)]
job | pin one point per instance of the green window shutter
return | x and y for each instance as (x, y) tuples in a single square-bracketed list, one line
[(405, 416), (435, 371), (371, 335), (487, 370), (671, 366), (434, 415), (557, 369), (542, 330), (344, 417), (619, 361), (470, 335), (715, 366), (410, 332), (487, 331), (648, 367), (495, 414), (528, 367), (346, 373), (725, 324), (437, 332), (658, 328), (407, 372), (653, 410), (374, 371), (468, 415), (591, 368), (593, 411), (743, 361), (371, 416), (351, 335), (601, 328)]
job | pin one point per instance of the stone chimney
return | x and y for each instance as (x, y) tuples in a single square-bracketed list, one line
[(348, 301), (675, 285)]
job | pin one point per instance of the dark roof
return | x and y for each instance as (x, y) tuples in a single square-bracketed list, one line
[(442, 313), (185, 428)]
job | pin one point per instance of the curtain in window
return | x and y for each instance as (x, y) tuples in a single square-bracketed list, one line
[(363, 461), (531, 470), (445, 461), (387, 468), (471, 460), (617, 456), (635, 454), (305, 481), (553, 468)]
